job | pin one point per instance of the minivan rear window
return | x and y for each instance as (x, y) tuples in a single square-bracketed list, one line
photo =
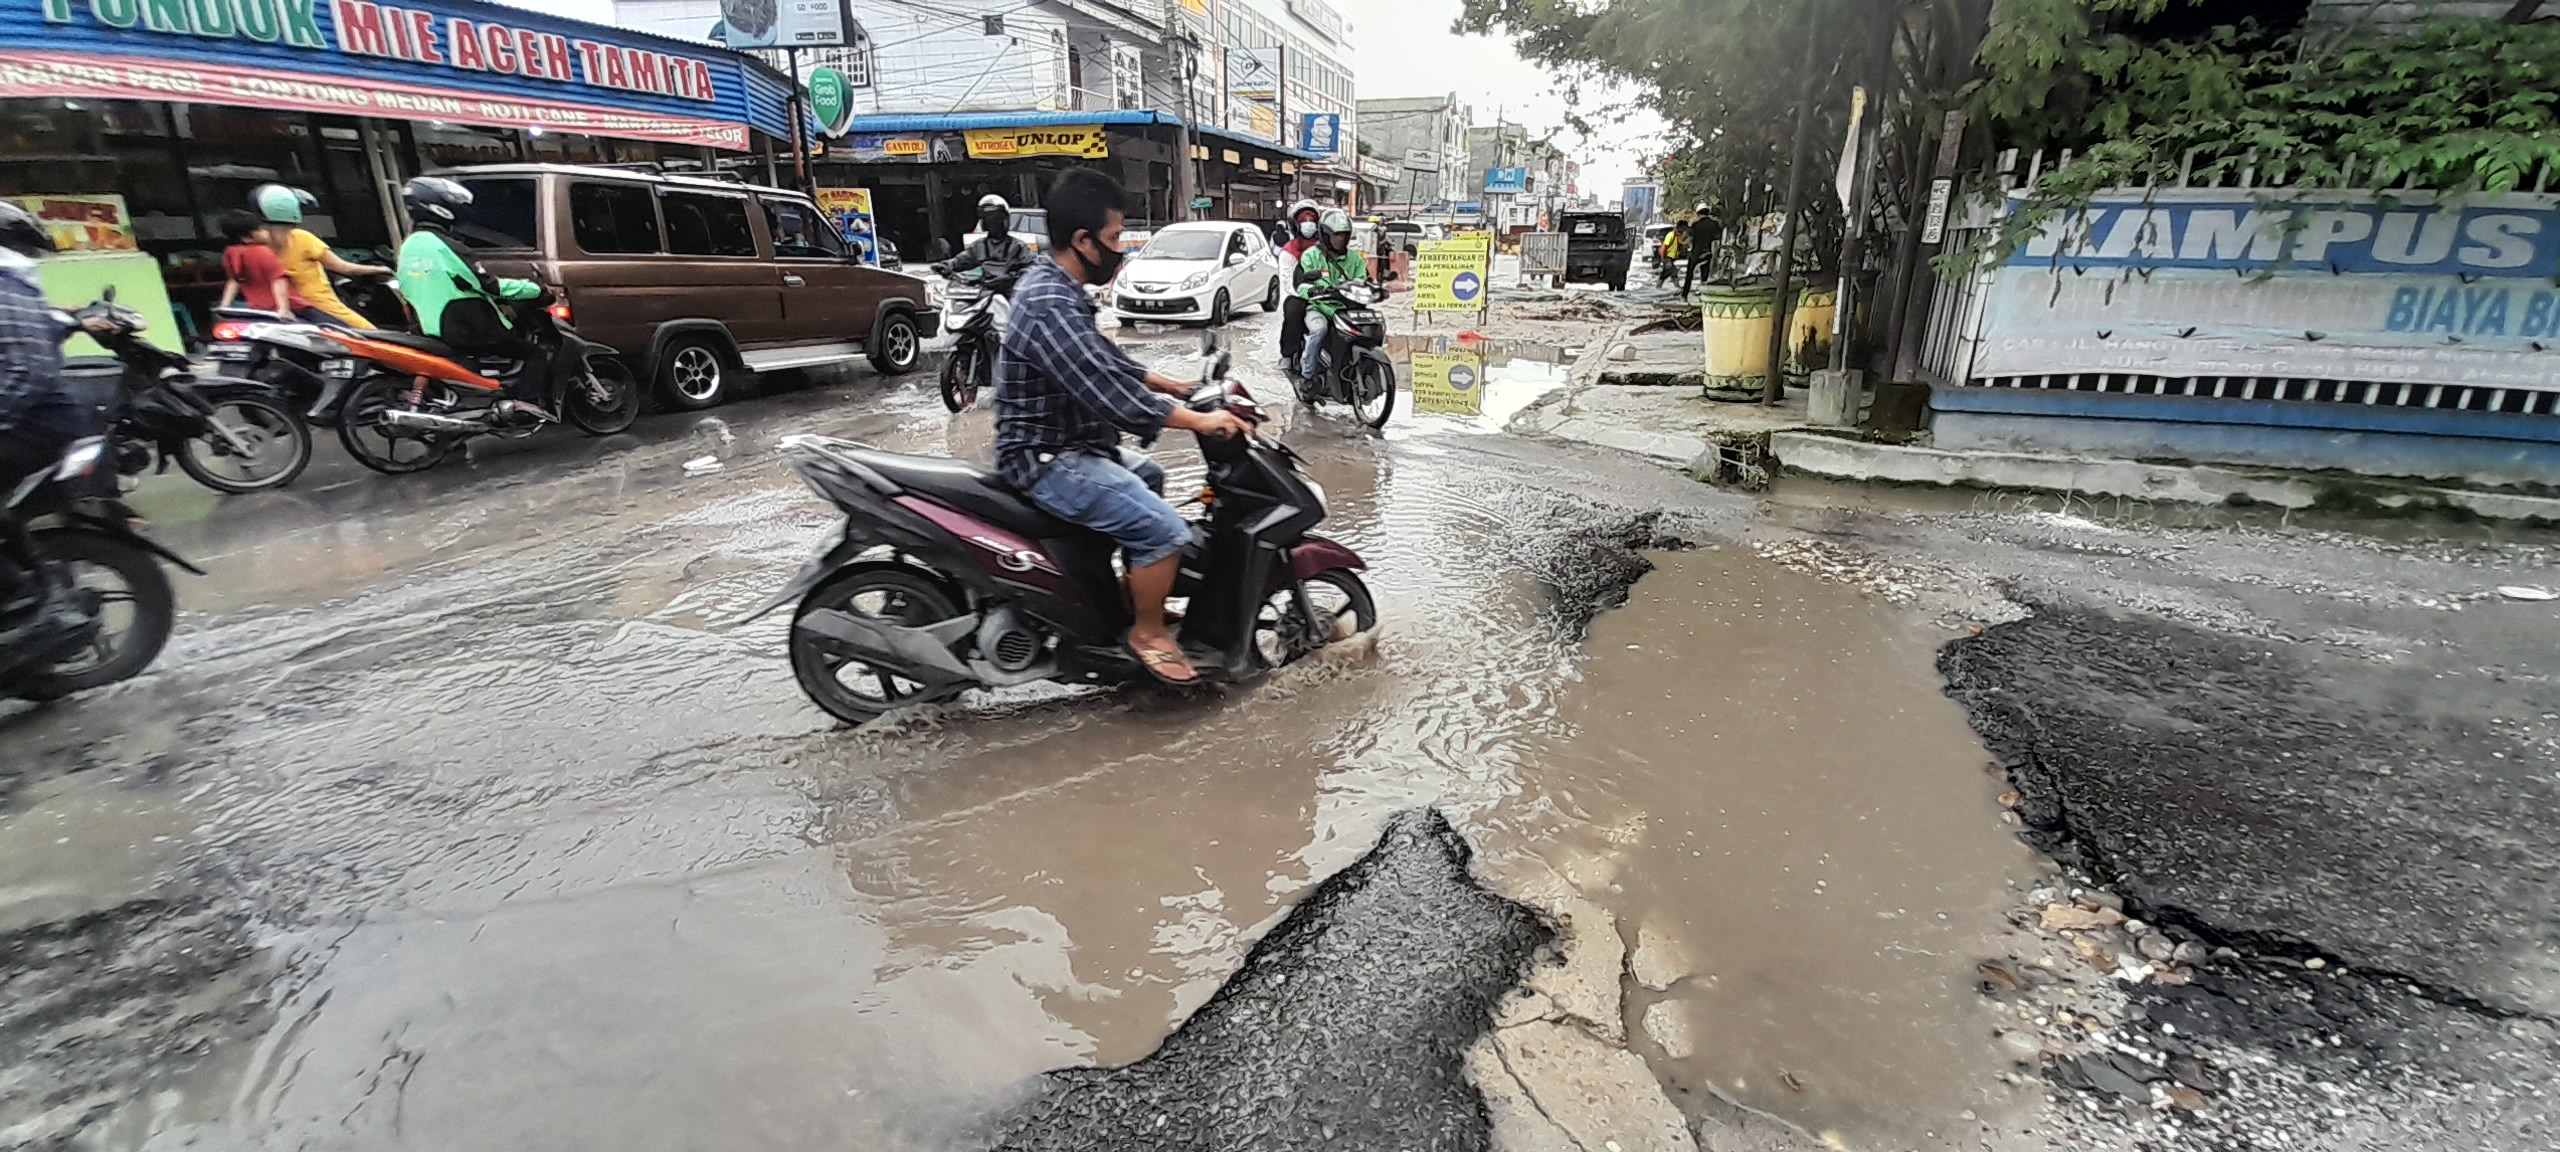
[(500, 215), (700, 225), (613, 219)]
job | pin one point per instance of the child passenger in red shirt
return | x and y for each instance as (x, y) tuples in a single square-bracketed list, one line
[(256, 276)]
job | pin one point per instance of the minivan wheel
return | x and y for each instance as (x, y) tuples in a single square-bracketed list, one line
[(692, 374), (896, 345)]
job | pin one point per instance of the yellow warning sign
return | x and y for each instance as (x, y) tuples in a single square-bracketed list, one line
[(1453, 275), (1449, 383)]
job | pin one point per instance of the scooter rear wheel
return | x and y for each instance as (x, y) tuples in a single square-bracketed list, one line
[(850, 689), (379, 446), (610, 407)]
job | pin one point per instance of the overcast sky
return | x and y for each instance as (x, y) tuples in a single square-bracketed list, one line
[(1405, 48)]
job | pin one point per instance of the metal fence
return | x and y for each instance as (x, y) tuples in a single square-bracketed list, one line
[(1953, 331)]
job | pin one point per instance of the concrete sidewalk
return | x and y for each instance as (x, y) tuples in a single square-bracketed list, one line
[(1642, 393)]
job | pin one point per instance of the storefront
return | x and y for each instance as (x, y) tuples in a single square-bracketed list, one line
[(926, 173), (175, 109)]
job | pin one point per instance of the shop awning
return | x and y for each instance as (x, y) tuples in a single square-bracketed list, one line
[(891, 123), (68, 76)]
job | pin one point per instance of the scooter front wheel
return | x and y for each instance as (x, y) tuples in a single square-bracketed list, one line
[(1373, 392), (1338, 607), (849, 688), (960, 376)]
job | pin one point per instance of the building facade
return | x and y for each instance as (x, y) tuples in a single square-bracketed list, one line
[(1425, 138)]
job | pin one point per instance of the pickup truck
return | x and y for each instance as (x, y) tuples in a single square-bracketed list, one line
[(1596, 248)]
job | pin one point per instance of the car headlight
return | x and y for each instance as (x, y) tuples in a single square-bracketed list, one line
[(1195, 280)]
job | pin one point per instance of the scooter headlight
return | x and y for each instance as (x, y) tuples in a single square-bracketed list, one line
[(1323, 503), (81, 459)]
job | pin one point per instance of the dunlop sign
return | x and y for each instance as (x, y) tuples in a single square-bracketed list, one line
[(1081, 140)]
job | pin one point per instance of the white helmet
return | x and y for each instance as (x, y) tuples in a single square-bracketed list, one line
[(991, 200)]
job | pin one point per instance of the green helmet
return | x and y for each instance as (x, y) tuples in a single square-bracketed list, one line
[(277, 204), (1334, 220)]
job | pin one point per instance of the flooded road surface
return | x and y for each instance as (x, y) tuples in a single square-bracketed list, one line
[(1755, 772), (459, 814)]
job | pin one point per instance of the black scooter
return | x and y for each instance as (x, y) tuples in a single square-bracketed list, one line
[(974, 303), (229, 435), (105, 608), (944, 579), (1354, 368)]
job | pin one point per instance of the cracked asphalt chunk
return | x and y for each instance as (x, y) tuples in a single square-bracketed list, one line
[(1346, 1027)]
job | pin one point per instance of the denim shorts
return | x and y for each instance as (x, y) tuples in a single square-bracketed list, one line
[(1116, 496)]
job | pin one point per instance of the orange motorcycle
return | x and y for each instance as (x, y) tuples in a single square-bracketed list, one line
[(413, 398)]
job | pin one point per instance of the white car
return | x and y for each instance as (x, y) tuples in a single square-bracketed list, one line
[(1199, 272)]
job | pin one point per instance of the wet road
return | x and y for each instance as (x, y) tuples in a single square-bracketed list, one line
[(458, 814)]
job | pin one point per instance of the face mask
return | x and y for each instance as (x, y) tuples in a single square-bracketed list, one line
[(1307, 228), (1101, 268)]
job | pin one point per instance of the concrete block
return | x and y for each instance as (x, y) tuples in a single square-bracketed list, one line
[(1832, 398)]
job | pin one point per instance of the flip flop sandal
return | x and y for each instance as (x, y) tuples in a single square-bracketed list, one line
[(1153, 660)]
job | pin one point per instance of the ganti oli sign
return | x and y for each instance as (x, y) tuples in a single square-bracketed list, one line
[(413, 35)]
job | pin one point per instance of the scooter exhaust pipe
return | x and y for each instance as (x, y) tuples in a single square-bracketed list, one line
[(432, 422)]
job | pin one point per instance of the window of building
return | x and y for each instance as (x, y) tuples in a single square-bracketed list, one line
[(799, 232), (613, 219), (699, 224), (502, 214)]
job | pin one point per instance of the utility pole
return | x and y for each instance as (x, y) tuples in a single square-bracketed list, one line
[(799, 121), (1186, 69), (1774, 386)]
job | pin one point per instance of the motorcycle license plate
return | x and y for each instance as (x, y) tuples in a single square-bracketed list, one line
[(234, 350), (343, 368), (1360, 316)]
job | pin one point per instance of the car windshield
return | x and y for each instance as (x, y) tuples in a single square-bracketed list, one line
[(1033, 221), (1187, 245)]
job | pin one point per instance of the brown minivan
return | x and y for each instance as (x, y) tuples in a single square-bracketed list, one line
[(698, 282)]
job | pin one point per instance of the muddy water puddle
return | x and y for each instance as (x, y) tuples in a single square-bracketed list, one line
[(1755, 772), (547, 855)]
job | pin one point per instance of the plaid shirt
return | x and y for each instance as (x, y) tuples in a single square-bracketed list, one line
[(30, 343), (1061, 387)]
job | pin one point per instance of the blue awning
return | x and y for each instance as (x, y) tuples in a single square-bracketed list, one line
[(871, 123)]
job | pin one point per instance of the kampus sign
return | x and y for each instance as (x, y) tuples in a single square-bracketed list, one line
[(2330, 286)]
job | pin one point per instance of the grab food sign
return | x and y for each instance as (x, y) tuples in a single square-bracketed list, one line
[(413, 35)]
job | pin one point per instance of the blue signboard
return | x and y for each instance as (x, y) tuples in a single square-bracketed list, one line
[(1505, 181), (457, 60), (2518, 239), (1320, 133)]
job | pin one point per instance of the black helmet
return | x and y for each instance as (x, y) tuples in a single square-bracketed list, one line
[(431, 200), (21, 232)]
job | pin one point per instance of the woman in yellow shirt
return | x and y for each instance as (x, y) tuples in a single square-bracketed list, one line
[(307, 259)]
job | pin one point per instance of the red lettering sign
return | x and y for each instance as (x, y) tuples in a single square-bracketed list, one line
[(422, 30), (555, 55), (502, 48), (360, 28), (466, 45)]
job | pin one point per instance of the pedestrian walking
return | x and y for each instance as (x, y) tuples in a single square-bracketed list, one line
[(1667, 257), (1705, 232)]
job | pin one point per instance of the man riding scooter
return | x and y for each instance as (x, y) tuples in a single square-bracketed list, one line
[(1329, 263), (461, 303), (1303, 233), (1003, 256), (39, 418), (1064, 396)]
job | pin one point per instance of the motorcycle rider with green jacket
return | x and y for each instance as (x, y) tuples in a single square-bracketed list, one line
[(462, 303)]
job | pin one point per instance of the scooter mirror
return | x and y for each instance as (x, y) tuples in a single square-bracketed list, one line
[(1219, 368)]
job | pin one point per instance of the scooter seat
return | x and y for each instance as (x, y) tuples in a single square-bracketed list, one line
[(969, 488), (427, 344)]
